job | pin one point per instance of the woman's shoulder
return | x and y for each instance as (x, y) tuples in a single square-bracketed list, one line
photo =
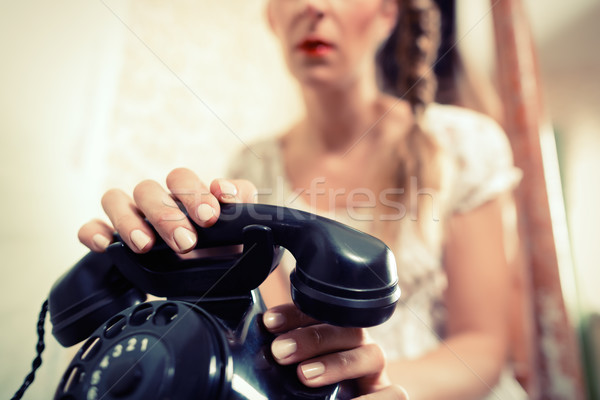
[(252, 159), (477, 153), (466, 135), (265, 146), (453, 125)]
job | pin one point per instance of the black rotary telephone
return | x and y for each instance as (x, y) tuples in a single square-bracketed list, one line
[(206, 341)]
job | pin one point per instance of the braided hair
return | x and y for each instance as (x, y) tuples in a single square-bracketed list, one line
[(406, 70)]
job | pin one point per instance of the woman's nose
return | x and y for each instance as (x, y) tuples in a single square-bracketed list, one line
[(315, 8)]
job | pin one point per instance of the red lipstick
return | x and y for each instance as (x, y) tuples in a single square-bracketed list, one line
[(315, 47)]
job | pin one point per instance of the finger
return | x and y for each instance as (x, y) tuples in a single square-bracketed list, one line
[(96, 235), (202, 206), (363, 361), (234, 191), (166, 217), (308, 342), (127, 220), (393, 392), (247, 192), (285, 318)]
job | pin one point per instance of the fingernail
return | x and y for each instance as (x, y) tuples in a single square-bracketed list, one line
[(100, 241), (139, 238), (273, 320), (228, 191), (205, 212), (312, 370), (184, 238), (283, 348)]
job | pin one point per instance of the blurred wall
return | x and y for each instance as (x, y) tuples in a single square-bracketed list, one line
[(105, 93), (57, 80), (200, 80), (570, 67), (565, 34)]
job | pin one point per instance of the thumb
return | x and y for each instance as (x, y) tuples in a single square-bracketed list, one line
[(393, 392)]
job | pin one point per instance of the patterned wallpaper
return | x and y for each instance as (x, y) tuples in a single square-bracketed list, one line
[(199, 80)]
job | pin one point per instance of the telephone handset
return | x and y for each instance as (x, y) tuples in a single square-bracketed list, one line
[(205, 339)]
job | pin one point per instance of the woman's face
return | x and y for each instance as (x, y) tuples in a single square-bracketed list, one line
[(331, 42)]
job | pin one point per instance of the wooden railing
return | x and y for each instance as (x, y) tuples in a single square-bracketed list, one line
[(548, 351)]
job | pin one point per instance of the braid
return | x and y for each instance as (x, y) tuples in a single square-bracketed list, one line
[(406, 65), (416, 52)]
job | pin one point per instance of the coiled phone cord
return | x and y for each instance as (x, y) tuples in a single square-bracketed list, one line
[(37, 361)]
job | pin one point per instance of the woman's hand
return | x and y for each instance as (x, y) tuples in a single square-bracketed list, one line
[(328, 354), (156, 204)]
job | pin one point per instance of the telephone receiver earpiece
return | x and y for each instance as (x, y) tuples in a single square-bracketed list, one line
[(343, 276)]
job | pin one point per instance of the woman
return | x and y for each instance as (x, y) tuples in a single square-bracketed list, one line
[(431, 181)]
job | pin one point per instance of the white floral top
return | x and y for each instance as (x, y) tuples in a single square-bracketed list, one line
[(478, 167)]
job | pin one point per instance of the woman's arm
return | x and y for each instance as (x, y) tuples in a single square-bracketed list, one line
[(468, 363), (328, 354)]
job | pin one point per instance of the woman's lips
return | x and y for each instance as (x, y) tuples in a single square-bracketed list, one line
[(315, 47)]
